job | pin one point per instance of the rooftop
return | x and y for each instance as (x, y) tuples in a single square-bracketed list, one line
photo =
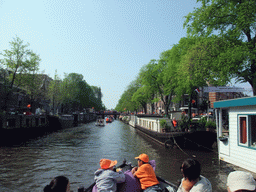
[(245, 101)]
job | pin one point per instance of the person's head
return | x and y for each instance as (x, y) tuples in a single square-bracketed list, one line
[(107, 164), (191, 169), (142, 158), (58, 184), (239, 181)]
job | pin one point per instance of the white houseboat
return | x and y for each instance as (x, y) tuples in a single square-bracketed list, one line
[(236, 131)]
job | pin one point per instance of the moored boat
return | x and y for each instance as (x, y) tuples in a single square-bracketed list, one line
[(131, 183)]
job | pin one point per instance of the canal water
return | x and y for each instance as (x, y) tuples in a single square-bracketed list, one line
[(75, 153)]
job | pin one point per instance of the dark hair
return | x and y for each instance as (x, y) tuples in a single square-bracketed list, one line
[(58, 184), (142, 161), (191, 169)]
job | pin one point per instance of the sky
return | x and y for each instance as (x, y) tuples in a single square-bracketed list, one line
[(107, 41)]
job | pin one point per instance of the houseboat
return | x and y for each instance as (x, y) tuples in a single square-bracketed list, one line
[(236, 132), (151, 127)]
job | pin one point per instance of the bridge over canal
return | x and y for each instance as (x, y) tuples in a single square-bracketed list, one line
[(103, 114)]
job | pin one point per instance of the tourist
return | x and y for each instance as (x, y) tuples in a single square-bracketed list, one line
[(192, 180), (106, 179), (146, 174), (58, 184), (38, 111), (174, 122), (239, 181)]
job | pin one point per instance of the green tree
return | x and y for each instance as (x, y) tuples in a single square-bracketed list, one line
[(145, 94), (34, 83), (126, 103), (77, 94), (98, 105), (70, 89), (85, 97), (234, 21), (17, 61), (140, 97), (150, 85), (4, 85), (167, 77), (55, 92), (158, 82)]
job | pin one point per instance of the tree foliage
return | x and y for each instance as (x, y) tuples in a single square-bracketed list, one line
[(126, 103), (18, 60), (19, 68), (220, 46), (73, 93), (55, 92), (235, 22)]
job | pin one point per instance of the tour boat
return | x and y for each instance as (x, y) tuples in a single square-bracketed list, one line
[(131, 183), (108, 120), (100, 122)]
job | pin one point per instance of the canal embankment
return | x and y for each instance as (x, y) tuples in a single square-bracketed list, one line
[(16, 129)]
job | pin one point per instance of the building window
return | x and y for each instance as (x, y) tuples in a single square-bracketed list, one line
[(242, 130), (253, 131), (247, 130)]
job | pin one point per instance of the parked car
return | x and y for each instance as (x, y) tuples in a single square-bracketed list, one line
[(198, 117)]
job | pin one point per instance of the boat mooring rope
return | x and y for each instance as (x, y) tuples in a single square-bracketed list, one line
[(180, 147), (200, 145), (192, 142)]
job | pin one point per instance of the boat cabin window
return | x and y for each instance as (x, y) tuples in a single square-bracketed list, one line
[(222, 119), (247, 130), (225, 122)]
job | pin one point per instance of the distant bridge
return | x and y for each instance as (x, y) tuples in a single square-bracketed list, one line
[(106, 113)]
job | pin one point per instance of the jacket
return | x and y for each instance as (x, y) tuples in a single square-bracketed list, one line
[(107, 179)]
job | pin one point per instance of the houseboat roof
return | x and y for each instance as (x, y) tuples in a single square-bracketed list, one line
[(245, 101)]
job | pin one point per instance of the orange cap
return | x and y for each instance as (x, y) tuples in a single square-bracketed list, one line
[(106, 163), (143, 157)]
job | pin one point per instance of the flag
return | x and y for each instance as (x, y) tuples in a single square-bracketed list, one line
[(197, 90)]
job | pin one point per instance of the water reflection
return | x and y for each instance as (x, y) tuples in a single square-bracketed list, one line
[(76, 152)]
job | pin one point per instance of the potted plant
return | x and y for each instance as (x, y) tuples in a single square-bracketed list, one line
[(202, 124), (163, 124), (210, 126), (184, 123), (223, 138)]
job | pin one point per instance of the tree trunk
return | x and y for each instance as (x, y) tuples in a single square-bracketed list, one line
[(189, 106), (6, 99), (166, 108), (145, 108), (152, 107), (253, 84)]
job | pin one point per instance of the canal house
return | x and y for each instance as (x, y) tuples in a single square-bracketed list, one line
[(236, 131)]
